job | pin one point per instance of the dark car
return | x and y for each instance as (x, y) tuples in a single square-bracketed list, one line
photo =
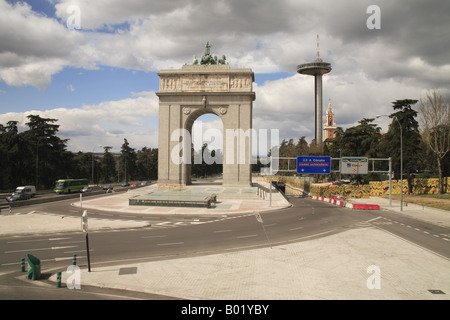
[(16, 196)]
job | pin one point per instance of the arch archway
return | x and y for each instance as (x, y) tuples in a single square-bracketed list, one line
[(207, 149), (193, 91)]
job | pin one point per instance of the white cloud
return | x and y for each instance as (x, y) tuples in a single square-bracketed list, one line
[(371, 68), (33, 47), (106, 123)]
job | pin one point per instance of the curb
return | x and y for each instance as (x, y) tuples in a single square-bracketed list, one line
[(357, 206)]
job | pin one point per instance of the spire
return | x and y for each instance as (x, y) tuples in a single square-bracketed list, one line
[(330, 109)]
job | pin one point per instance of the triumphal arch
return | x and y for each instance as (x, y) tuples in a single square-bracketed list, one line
[(206, 86)]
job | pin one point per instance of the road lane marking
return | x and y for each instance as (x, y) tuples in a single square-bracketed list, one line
[(247, 236), (298, 228), (170, 244), (220, 231), (270, 225), (40, 249), (149, 237), (38, 240)]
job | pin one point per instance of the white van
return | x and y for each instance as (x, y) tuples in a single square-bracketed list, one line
[(22, 193)]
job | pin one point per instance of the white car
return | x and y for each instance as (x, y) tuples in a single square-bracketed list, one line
[(86, 189)]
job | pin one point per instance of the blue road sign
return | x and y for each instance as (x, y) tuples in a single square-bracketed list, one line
[(314, 165)]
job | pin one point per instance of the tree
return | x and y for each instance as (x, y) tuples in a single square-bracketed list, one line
[(211, 162), (435, 120), (361, 140), (147, 164), (12, 152), (405, 128), (107, 166), (128, 161), (52, 161)]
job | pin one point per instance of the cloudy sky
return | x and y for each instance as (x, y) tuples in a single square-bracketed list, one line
[(99, 80)]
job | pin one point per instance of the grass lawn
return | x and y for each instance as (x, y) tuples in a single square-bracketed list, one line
[(439, 201)]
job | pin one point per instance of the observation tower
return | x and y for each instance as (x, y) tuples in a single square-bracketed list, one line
[(316, 68)]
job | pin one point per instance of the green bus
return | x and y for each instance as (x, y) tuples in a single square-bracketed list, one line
[(70, 185)]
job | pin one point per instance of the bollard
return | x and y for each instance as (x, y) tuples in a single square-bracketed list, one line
[(58, 279), (74, 260), (22, 265)]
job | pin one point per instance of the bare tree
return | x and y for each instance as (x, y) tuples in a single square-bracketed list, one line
[(435, 121)]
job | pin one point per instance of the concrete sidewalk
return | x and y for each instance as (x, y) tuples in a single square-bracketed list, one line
[(337, 266), (332, 267), (230, 200), (411, 210)]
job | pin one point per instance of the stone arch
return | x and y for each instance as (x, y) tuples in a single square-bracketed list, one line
[(188, 126), (202, 90)]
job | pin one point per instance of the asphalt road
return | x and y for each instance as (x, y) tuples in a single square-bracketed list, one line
[(307, 219)]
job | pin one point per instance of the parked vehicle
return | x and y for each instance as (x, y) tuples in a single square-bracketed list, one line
[(107, 187), (22, 193)]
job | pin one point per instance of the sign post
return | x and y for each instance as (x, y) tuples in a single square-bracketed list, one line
[(355, 165), (313, 165), (84, 226)]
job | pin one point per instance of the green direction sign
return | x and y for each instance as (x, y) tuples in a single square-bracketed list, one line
[(354, 165)]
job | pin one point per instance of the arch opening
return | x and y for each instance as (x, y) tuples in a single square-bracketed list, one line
[(207, 148)]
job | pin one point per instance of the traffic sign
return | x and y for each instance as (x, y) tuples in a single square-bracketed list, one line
[(314, 165), (355, 165)]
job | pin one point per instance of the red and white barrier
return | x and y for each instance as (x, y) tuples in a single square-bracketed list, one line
[(358, 206)]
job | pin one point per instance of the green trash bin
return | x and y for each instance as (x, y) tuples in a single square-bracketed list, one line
[(35, 267)]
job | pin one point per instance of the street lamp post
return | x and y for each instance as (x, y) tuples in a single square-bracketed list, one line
[(401, 159), (93, 163)]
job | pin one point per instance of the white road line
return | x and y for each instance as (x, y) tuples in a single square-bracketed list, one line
[(149, 237), (170, 244), (247, 236), (220, 231), (298, 228), (40, 249), (270, 225), (375, 219), (75, 251), (50, 239)]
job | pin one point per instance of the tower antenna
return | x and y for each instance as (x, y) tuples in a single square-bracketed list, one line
[(318, 48)]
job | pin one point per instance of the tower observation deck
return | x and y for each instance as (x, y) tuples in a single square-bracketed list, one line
[(316, 68)]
